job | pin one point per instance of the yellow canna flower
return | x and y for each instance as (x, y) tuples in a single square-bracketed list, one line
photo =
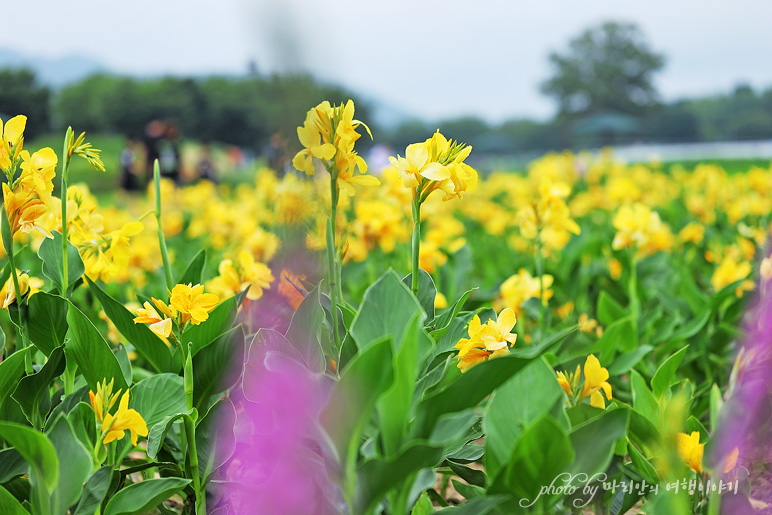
[(290, 286), (517, 289), (690, 449), (8, 293), (766, 269), (693, 233), (245, 273), (731, 461), (148, 315), (125, 419), (104, 399), (192, 303), (24, 211), (487, 341), (440, 302), (595, 379), (587, 324), (38, 171), (11, 140), (568, 381), (615, 268), (641, 229), (729, 271)]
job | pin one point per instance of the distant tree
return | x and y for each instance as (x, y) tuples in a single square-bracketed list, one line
[(467, 129), (674, 123), (609, 67), (21, 94)]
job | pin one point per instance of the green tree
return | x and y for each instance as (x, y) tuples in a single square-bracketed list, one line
[(21, 94), (607, 68)]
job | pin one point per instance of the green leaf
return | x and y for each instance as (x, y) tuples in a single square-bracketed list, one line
[(664, 376), (264, 341), (644, 401), (537, 349), (423, 506), (214, 438), (387, 308), (628, 360), (304, 328), (468, 491), (91, 352), (716, 403), (691, 328), (95, 491), (147, 344), (510, 411), (213, 366), (641, 465), (427, 291), (394, 405), (40, 455), (33, 393), (594, 441), (479, 506), (220, 321), (50, 315), (468, 474), (8, 503), (157, 433), (465, 392), (11, 465), (609, 310), (444, 319), (154, 406), (542, 452), (377, 477), (352, 401), (11, 370), (75, 464), (51, 253), (139, 498), (5, 228), (194, 273)]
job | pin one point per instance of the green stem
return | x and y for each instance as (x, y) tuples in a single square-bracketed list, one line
[(63, 195), (540, 273), (190, 430), (161, 238), (22, 320), (633, 293), (333, 271), (416, 240)]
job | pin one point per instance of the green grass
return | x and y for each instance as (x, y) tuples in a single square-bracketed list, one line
[(731, 166)]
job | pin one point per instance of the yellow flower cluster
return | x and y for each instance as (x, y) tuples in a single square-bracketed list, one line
[(595, 380), (517, 289), (487, 341), (187, 303), (114, 426), (641, 229), (244, 273)]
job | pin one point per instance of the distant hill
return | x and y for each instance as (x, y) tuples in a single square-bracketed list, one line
[(55, 73)]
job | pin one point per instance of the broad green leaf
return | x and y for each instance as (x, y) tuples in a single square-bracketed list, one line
[(147, 399), (394, 405), (11, 465), (147, 344), (194, 273), (11, 370), (140, 498), (49, 313), (375, 478), (641, 465), (423, 506), (468, 491), (220, 321), (10, 506), (468, 474), (33, 393), (94, 491), (91, 352), (157, 433), (215, 443), (594, 441), (644, 401), (465, 392), (427, 291), (622, 364), (264, 341), (665, 374), (515, 405), (304, 328), (51, 253), (442, 322), (387, 308), (542, 452), (352, 401), (213, 366), (75, 464), (40, 455), (523, 350), (479, 506), (609, 310)]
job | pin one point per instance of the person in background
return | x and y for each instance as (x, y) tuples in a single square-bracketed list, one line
[(129, 179), (154, 132), (169, 153), (206, 169)]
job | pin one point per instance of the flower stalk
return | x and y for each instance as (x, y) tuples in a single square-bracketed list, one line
[(161, 238), (63, 194)]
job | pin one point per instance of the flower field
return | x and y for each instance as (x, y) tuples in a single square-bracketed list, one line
[(585, 337)]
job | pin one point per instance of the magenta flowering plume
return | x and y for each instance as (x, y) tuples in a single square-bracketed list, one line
[(741, 450)]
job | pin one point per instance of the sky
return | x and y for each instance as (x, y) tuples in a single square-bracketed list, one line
[(431, 59)]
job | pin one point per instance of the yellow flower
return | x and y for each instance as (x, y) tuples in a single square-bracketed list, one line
[(568, 381), (729, 271), (595, 379), (148, 315), (487, 341), (566, 309), (766, 269), (440, 302), (24, 211), (245, 273), (290, 286), (615, 268), (517, 289), (587, 324), (731, 461), (192, 303), (125, 419), (103, 401), (38, 171), (11, 140), (693, 233), (690, 449), (641, 229)]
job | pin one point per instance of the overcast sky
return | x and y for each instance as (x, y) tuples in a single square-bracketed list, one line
[(436, 59)]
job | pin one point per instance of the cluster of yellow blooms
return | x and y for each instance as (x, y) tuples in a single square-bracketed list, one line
[(595, 380), (187, 303), (487, 341), (114, 426)]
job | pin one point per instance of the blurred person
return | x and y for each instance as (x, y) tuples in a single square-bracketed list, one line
[(276, 154), (206, 170), (154, 132), (169, 153), (129, 161)]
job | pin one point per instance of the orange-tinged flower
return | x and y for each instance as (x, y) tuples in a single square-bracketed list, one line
[(125, 419), (148, 315), (487, 341), (731, 461), (38, 171), (691, 450), (192, 303), (104, 399)]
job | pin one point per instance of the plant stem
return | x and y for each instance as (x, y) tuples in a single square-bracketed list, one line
[(633, 293), (161, 238), (22, 320), (190, 430), (416, 240), (540, 273), (63, 195), (333, 272)]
